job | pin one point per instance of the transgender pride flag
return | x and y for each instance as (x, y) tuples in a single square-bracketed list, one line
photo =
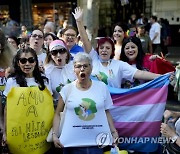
[(137, 113)]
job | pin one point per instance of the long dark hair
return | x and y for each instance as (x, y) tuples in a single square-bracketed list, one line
[(20, 76), (140, 55), (123, 26)]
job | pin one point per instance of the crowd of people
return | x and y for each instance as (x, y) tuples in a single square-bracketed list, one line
[(42, 58)]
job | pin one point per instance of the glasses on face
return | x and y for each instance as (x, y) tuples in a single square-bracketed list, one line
[(36, 35), (70, 35), (24, 60), (85, 66), (55, 52)]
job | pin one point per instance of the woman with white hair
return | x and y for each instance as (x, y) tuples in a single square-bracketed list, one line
[(87, 116)]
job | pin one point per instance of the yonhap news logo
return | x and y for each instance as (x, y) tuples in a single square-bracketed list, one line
[(143, 140), (104, 139)]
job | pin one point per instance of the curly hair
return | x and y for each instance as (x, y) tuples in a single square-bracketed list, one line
[(20, 76), (140, 55)]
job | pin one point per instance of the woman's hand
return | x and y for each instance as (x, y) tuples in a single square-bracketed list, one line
[(167, 131), (78, 13), (153, 57), (115, 136), (169, 116), (56, 141), (172, 79)]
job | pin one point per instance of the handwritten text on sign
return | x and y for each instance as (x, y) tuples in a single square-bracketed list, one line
[(29, 118)]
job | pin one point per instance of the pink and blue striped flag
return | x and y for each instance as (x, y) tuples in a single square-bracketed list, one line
[(138, 112)]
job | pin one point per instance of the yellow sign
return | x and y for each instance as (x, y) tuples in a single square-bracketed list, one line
[(30, 114)]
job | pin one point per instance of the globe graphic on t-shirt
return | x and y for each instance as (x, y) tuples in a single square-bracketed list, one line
[(86, 110)]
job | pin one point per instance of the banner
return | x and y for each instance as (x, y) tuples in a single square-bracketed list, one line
[(137, 114), (30, 114)]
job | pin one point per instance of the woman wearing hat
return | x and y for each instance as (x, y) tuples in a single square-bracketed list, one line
[(58, 67)]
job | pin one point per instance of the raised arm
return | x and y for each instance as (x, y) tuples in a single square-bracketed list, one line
[(78, 13)]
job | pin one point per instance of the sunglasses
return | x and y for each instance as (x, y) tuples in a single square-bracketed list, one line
[(61, 51), (35, 35), (24, 60)]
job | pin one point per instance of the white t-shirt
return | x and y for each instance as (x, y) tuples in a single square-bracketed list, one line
[(11, 82), (129, 84), (42, 57), (117, 52), (85, 115), (59, 77), (114, 73), (155, 28)]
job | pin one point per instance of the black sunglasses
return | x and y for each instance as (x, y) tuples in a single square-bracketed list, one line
[(61, 51), (24, 60)]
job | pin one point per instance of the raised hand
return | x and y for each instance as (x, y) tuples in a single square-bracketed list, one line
[(78, 13)]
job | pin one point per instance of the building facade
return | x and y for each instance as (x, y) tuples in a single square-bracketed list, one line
[(99, 16)]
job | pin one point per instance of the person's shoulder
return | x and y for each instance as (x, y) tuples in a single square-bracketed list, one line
[(117, 62), (69, 85), (157, 24), (11, 80), (49, 68), (98, 83), (76, 48)]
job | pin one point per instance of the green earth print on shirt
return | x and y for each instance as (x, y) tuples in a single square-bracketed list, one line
[(86, 110)]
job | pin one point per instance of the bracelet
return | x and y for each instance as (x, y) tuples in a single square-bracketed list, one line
[(53, 133)]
